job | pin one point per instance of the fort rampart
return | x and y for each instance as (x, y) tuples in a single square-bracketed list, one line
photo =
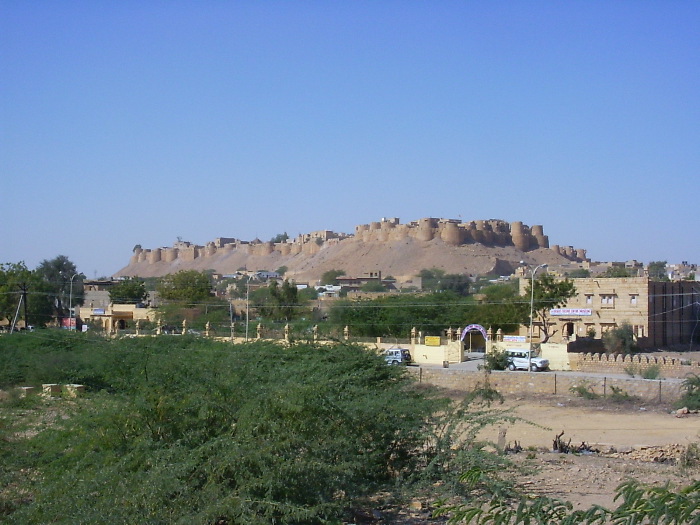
[(451, 231)]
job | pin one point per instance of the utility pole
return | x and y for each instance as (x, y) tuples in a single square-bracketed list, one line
[(24, 287)]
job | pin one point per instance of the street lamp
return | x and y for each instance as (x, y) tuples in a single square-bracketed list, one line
[(247, 305), (70, 302), (532, 311)]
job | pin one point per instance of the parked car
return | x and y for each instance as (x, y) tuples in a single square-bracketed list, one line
[(397, 356), (519, 359)]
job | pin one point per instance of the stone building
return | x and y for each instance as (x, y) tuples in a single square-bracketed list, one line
[(661, 314)]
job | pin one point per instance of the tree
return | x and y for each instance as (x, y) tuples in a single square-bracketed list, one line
[(396, 314), (620, 340), (579, 273), (331, 276), (280, 237), (657, 271), (187, 286), (373, 286), (282, 303), (456, 282), (62, 277), (549, 293), (131, 290), (20, 286), (617, 272), (431, 279)]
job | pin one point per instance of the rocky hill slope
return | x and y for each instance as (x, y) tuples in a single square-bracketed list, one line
[(400, 250)]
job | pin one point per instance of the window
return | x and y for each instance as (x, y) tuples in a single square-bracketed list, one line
[(633, 299), (607, 300), (589, 299)]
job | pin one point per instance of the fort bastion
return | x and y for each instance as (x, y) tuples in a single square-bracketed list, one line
[(452, 232)]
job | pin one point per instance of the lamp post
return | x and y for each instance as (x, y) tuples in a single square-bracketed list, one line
[(247, 305), (532, 311), (70, 302)]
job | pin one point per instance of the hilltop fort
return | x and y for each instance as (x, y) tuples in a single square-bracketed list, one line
[(402, 250)]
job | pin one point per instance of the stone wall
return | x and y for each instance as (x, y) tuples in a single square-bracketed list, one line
[(624, 364), (454, 232), (521, 383)]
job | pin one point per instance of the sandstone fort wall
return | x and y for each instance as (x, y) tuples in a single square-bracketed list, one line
[(451, 231)]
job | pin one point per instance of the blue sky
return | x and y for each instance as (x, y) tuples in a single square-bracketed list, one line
[(125, 123)]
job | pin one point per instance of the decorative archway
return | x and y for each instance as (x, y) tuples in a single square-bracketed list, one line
[(474, 328)]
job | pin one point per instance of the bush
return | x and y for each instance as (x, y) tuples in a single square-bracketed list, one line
[(619, 396), (620, 340), (584, 390), (496, 360), (691, 398), (638, 503), (191, 431), (651, 372)]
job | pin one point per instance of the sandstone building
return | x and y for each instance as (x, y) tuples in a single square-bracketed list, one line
[(661, 314)]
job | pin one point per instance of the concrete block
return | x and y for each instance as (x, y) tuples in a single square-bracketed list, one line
[(50, 389), (73, 390), (24, 391)]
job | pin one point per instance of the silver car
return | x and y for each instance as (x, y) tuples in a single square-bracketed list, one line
[(519, 359)]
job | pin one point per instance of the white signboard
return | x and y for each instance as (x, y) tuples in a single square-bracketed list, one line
[(575, 312), (514, 338)]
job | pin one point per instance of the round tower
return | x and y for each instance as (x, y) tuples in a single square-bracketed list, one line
[(451, 234), (520, 238), (399, 233), (540, 238), (424, 231), (154, 256)]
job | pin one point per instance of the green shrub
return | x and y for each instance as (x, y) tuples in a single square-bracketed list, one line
[(618, 395), (584, 390), (186, 430), (638, 503), (690, 458), (620, 340), (631, 370), (691, 398), (496, 360), (651, 372)]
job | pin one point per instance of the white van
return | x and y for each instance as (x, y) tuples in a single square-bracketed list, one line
[(518, 360), (396, 356)]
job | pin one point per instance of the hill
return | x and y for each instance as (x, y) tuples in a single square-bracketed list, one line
[(492, 247)]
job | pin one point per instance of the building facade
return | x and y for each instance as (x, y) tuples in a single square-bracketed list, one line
[(661, 314)]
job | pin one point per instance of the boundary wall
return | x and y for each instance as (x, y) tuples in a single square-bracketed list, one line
[(523, 383), (669, 367)]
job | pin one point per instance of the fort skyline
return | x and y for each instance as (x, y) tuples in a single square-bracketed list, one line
[(387, 245)]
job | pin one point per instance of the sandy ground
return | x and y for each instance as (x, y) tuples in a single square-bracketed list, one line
[(635, 441), (596, 423), (630, 437)]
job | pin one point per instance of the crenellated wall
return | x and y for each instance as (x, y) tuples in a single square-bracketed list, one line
[(668, 367), (493, 232)]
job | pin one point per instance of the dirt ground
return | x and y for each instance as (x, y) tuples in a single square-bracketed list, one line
[(635, 441)]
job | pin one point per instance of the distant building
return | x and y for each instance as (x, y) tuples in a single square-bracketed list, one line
[(660, 313)]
